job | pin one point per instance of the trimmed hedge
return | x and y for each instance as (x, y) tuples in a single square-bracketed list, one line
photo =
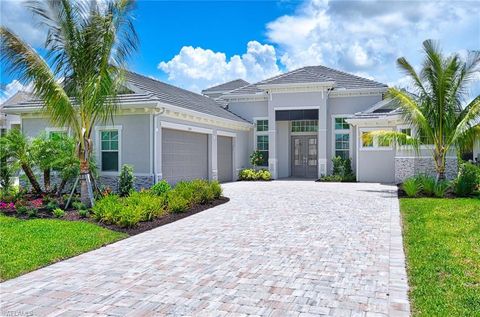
[(249, 174)]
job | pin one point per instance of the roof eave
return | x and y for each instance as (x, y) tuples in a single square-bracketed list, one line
[(326, 84)]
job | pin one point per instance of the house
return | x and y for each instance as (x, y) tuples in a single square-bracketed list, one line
[(299, 120), (11, 121)]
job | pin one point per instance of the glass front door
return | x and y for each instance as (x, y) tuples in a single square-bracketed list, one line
[(304, 150)]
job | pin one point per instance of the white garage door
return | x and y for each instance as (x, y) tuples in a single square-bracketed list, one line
[(224, 159), (184, 155)]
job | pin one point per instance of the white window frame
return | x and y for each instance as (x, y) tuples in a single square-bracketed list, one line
[(414, 133), (49, 130), (342, 131), (98, 148), (258, 133), (375, 146)]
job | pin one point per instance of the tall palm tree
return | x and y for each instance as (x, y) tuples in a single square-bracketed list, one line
[(435, 106), (87, 46)]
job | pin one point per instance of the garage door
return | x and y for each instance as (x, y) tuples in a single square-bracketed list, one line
[(184, 155), (224, 159)]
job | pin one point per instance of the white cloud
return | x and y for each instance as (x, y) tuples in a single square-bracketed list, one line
[(198, 68), (15, 15), (368, 36), (10, 89)]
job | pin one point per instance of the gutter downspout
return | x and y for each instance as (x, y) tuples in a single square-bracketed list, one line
[(159, 112)]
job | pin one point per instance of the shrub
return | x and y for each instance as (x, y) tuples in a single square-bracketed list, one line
[(256, 158), (427, 183), (249, 174), (58, 213), (125, 183), (331, 178), (51, 205), (78, 205), (176, 203), (129, 211), (341, 172), (83, 213), (161, 188), (411, 187), (441, 188), (468, 180), (216, 189), (32, 212)]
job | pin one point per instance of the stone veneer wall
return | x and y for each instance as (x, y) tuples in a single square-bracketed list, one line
[(406, 167), (112, 182)]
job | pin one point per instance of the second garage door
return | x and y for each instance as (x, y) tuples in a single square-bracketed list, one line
[(184, 155), (224, 161)]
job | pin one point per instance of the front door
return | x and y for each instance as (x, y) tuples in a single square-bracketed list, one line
[(304, 156)]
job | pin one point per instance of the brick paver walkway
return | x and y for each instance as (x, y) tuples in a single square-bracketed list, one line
[(283, 248)]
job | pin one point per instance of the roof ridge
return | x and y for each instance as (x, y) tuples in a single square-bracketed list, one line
[(225, 83), (307, 70), (347, 74), (279, 76)]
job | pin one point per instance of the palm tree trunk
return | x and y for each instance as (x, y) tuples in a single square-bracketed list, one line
[(31, 178), (46, 179), (440, 166), (84, 173)]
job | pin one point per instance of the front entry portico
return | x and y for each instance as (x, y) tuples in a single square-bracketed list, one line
[(304, 160)]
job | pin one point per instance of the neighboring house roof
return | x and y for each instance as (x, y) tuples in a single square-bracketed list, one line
[(312, 74), (19, 96), (146, 89), (226, 87)]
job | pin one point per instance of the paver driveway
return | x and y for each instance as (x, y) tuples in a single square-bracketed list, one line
[(283, 248)]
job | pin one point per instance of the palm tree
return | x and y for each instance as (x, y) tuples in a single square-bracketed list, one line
[(87, 46), (434, 108)]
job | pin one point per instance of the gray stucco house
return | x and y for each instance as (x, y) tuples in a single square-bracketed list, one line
[(299, 120)]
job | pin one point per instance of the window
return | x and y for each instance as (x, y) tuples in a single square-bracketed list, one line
[(367, 141), (109, 150), (262, 147), (305, 126), (262, 125), (342, 145), (342, 138), (406, 131), (57, 134), (376, 142), (341, 124)]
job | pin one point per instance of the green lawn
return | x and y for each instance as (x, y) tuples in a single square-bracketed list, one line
[(26, 245), (442, 241)]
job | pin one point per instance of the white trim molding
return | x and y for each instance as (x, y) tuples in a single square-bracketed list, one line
[(226, 133), (375, 146), (338, 93), (184, 127)]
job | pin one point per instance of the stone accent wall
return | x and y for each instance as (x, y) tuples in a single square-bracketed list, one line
[(112, 182), (406, 167)]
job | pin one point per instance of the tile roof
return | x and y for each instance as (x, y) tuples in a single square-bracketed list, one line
[(310, 74), (228, 86), (151, 90)]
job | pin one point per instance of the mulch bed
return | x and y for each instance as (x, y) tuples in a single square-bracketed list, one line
[(72, 215)]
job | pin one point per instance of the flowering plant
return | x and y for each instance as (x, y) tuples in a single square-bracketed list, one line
[(5, 205), (37, 203)]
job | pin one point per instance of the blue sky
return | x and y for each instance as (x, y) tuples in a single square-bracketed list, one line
[(196, 44)]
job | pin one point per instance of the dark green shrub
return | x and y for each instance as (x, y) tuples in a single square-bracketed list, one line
[(468, 180), (83, 213), (79, 205), (338, 166), (441, 188), (32, 212), (427, 183), (257, 159), (51, 205), (331, 178), (21, 210), (58, 213), (412, 187), (176, 202), (161, 188), (125, 183)]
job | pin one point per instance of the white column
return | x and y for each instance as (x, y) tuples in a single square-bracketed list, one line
[(322, 136), (213, 159), (272, 139), (158, 148)]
